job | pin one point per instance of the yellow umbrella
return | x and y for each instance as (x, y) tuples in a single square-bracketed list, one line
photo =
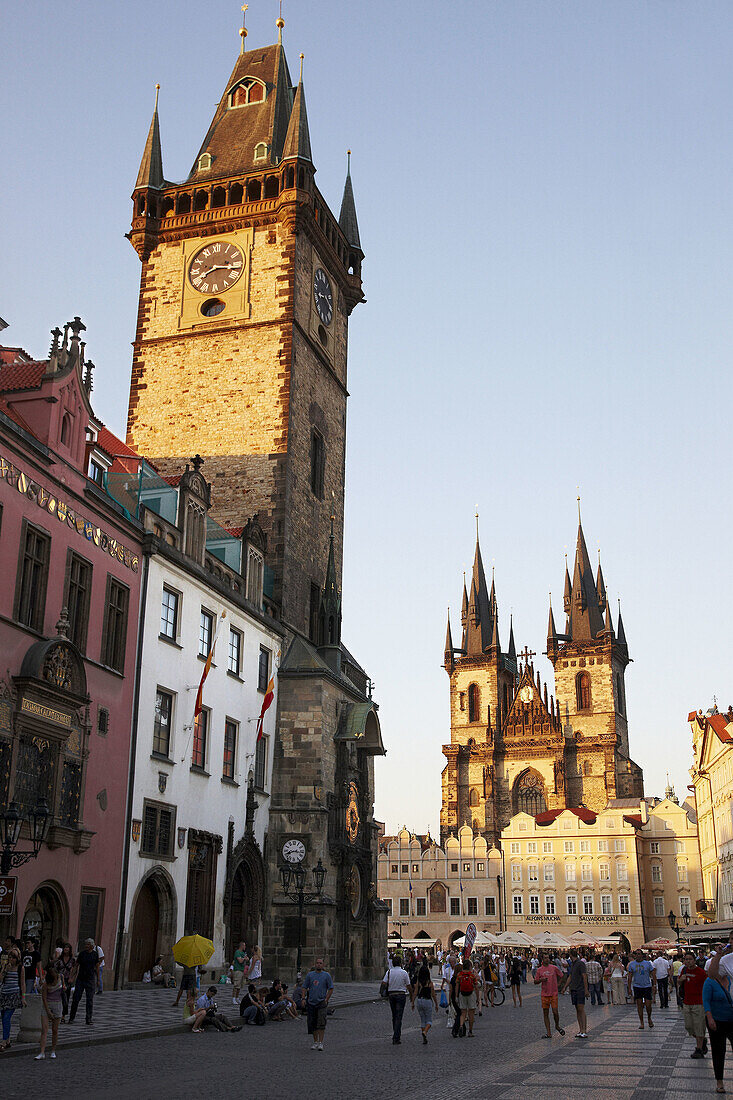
[(193, 951)]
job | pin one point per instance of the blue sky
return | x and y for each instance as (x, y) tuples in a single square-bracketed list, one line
[(544, 199)]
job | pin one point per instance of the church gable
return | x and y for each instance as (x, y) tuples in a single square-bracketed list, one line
[(531, 715)]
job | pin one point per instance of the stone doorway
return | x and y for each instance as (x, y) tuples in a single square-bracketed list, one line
[(45, 919), (153, 926)]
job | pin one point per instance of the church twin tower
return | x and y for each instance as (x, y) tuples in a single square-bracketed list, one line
[(512, 747)]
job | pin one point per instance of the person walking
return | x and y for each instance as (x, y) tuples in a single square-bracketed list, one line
[(641, 982), (595, 980), (423, 993), (691, 980), (617, 976), (662, 967), (515, 979), (100, 972), (467, 998), (239, 964), (66, 967), (31, 960), (85, 976), (255, 965), (546, 975), (718, 1007), (397, 981), (677, 965), (12, 990), (188, 981), (577, 981), (318, 986), (51, 991)]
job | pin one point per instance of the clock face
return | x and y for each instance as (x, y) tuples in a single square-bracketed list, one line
[(353, 820), (216, 267), (323, 295), (294, 851)]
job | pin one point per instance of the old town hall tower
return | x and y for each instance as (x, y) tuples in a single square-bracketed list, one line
[(513, 746), (247, 284)]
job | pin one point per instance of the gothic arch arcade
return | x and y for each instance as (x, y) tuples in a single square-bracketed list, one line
[(153, 925)]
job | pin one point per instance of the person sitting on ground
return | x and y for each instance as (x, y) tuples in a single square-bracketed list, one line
[(158, 975), (292, 1009), (277, 1006), (252, 1006), (193, 1017), (212, 1017), (300, 999)]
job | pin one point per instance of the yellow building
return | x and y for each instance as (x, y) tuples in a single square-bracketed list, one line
[(712, 779), (432, 893)]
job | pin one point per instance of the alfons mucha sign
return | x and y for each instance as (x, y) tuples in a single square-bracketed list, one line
[(64, 514)]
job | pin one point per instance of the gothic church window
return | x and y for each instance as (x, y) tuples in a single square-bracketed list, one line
[(529, 794), (582, 691), (246, 92), (473, 799), (474, 703)]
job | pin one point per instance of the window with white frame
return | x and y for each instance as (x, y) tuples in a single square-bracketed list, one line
[(654, 847), (404, 907), (606, 907), (567, 825), (604, 872), (531, 847), (479, 867), (656, 872), (421, 904), (682, 872), (466, 868), (516, 872), (624, 905), (585, 845), (455, 907), (523, 826), (514, 848), (547, 847), (517, 905), (550, 905), (473, 907), (619, 845), (534, 904), (622, 870), (169, 614), (489, 907), (658, 906), (572, 905), (679, 846), (533, 872), (586, 872), (570, 872), (235, 651), (416, 868), (569, 846), (684, 906), (549, 872), (602, 845), (588, 905), (206, 632)]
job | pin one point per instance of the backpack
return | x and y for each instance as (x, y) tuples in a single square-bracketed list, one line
[(466, 982)]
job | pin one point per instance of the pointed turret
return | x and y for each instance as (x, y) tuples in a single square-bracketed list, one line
[(297, 139), (495, 644), (600, 586), (347, 216), (480, 626), (586, 620), (620, 632), (568, 591), (608, 622), (330, 610), (551, 635), (448, 662), (512, 651), (150, 173)]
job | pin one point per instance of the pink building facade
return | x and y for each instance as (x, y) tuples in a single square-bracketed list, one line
[(69, 608)]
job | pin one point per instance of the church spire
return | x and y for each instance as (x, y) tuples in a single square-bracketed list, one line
[(512, 650), (620, 632), (551, 633), (449, 662), (347, 216), (150, 173), (568, 590), (600, 586), (297, 139), (480, 626), (330, 610), (586, 620)]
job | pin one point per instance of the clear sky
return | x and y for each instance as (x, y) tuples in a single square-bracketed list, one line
[(544, 198)]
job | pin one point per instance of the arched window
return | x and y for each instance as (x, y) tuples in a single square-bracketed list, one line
[(261, 151), (247, 91), (205, 161), (620, 702), (587, 767), (66, 429), (582, 691), (474, 703), (473, 799), (529, 794)]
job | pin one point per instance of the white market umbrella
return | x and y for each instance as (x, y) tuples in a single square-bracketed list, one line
[(582, 939), (512, 939), (550, 939)]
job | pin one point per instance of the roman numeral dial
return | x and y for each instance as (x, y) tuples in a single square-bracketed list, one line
[(323, 295), (216, 267)]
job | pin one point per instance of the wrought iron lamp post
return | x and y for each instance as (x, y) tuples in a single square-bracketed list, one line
[(399, 925), (293, 883), (11, 822), (674, 925)]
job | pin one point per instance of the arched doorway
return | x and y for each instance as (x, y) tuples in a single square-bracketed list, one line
[(246, 895), (153, 926), (45, 918)]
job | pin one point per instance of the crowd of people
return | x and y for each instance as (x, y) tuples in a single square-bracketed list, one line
[(61, 983)]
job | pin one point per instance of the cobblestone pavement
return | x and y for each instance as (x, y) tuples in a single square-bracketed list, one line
[(507, 1058)]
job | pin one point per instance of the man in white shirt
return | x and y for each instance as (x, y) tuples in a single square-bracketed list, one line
[(662, 968), (722, 961), (398, 987)]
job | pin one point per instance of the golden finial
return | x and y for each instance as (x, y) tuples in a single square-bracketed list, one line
[(280, 23), (157, 91), (476, 516), (348, 162), (243, 29), (578, 488), (300, 78)]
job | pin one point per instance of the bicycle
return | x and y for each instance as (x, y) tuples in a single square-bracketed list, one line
[(496, 996)]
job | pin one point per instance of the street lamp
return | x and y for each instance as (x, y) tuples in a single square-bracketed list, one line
[(11, 822), (674, 925), (399, 925), (293, 881)]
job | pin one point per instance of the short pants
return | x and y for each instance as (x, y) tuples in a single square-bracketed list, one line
[(694, 1016), (467, 1001), (577, 996), (550, 1001), (316, 1017), (642, 992)]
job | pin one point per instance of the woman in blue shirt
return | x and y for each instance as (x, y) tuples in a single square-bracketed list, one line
[(716, 1000)]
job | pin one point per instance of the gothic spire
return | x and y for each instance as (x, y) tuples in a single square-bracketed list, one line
[(600, 586), (150, 173), (297, 139), (347, 216), (512, 651), (551, 631), (330, 610), (480, 626), (608, 622), (568, 591), (620, 632), (448, 653), (586, 620)]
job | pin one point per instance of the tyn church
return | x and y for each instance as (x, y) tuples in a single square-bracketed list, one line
[(515, 747)]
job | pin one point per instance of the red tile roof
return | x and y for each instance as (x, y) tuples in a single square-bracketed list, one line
[(21, 375), (633, 819), (235, 532), (15, 416), (549, 816), (720, 723), (172, 479), (114, 447)]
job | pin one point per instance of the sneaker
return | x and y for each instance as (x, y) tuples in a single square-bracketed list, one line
[(39, 1057), (53, 1053), (697, 1054), (314, 1046), (320, 1046)]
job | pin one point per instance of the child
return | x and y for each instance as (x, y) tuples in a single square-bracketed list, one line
[(52, 989)]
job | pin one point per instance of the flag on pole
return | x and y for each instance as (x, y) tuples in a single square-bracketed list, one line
[(266, 703), (410, 894), (199, 704)]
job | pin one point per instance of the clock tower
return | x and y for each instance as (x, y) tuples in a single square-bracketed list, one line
[(248, 281)]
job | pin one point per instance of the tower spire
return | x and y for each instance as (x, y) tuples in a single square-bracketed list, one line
[(330, 611), (297, 139), (620, 632), (347, 215), (243, 29), (512, 650), (448, 661), (150, 173), (586, 619), (600, 586)]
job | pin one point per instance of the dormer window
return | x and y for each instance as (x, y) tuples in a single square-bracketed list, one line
[(247, 91), (205, 162), (260, 151)]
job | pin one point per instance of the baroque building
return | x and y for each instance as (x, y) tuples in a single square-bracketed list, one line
[(248, 281), (514, 746)]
